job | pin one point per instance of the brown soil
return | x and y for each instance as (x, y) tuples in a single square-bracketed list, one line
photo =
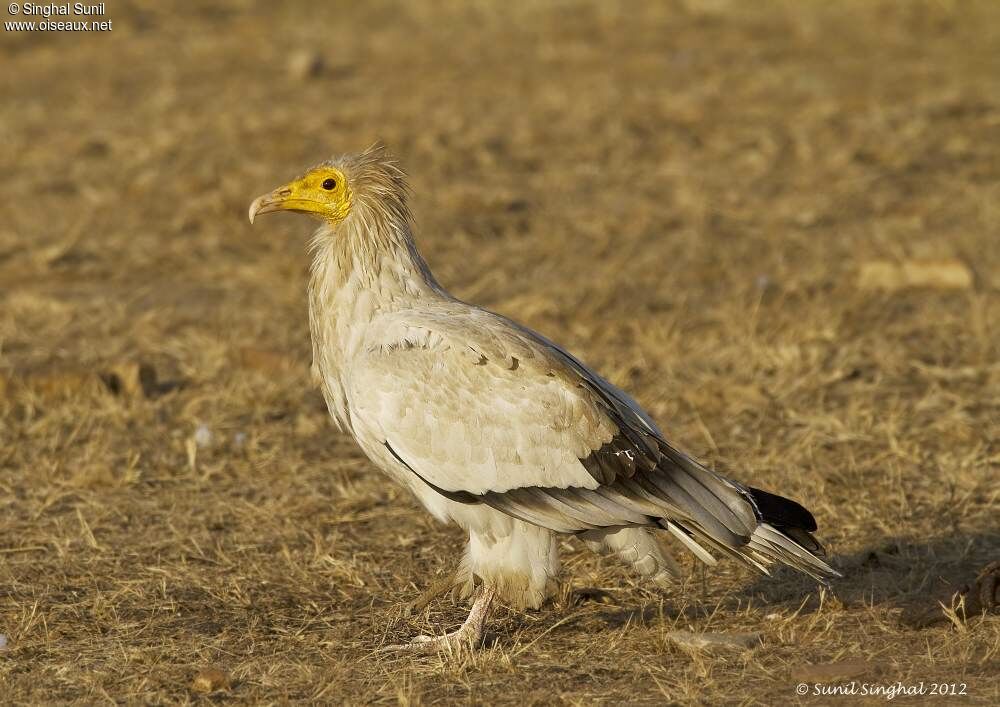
[(777, 224)]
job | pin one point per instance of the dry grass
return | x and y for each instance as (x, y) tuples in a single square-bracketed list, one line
[(721, 205)]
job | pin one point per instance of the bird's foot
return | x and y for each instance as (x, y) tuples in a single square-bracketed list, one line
[(452, 643), (469, 636)]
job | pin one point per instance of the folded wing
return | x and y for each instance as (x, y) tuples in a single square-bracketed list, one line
[(485, 411)]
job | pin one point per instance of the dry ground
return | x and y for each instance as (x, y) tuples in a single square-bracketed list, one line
[(777, 224)]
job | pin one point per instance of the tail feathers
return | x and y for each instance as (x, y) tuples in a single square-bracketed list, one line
[(780, 530), (788, 546), (786, 534)]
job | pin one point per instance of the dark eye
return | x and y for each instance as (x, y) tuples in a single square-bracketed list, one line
[(329, 184)]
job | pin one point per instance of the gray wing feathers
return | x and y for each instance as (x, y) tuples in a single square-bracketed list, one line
[(612, 507)]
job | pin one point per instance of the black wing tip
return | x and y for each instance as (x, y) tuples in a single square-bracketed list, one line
[(782, 512)]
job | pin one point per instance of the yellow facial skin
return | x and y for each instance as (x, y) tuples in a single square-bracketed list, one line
[(322, 192)]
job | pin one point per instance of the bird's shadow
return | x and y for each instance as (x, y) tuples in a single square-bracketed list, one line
[(909, 574)]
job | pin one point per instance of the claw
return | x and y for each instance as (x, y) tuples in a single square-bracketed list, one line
[(453, 642), (469, 636)]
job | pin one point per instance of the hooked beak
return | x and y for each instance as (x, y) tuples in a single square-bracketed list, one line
[(277, 200)]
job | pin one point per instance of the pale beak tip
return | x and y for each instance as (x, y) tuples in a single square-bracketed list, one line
[(253, 209)]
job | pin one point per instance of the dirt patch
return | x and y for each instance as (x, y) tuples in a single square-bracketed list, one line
[(775, 223)]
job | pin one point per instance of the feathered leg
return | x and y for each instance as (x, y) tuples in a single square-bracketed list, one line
[(468, 636), (637, 547)]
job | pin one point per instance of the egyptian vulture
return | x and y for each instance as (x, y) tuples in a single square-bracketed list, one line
[(493, 426)]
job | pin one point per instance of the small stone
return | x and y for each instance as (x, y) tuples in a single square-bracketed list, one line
[(55, 383), (593, 594), (927, 274), (306, 65), (306, 426), (715, 641), (131, 379), (805, 219), (987, 588), (203, 436), (210, 680), (265, 361)]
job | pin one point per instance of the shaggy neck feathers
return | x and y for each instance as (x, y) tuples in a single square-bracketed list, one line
[(369, 255), (363, 266)]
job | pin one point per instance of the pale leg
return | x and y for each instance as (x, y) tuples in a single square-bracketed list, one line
[(468, 636)]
